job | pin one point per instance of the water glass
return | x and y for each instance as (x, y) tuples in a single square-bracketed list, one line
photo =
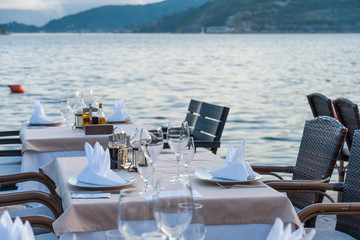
[(196, 229), (172, 218), (178, 137), (135, 213), (66, 112), (114, 235), (187, 156)]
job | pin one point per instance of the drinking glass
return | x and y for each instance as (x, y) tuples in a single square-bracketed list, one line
[(151, 151), (178, 137), (187, 156), (66, 112), (138, 139), (135, 213), (172, 218), (72, 98), (196, 229), (88, 97)]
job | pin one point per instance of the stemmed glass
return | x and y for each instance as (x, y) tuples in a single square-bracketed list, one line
[(66, 112), (178, 137), (187, 156), (151, 151), (135, 214), (88, 97), (72, 97), (169, 208), (138, 139)]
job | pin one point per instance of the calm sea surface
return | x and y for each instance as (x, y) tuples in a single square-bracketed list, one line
[(264, 79)]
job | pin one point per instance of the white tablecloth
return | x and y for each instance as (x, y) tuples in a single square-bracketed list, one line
[(41, 145), (213, 232)]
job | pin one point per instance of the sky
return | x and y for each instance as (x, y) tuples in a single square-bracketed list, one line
[(38, 12)]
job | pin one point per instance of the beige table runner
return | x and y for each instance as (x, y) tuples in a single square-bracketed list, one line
[(57, 139), (221, 206)]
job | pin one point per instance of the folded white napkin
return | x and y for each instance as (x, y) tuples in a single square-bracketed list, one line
[(98, 170), (39, 116), (120, 114), (278, 232), (236, 167), (10, 230)]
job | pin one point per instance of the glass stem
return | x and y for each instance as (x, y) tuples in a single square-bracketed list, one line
[(178, 163), (186, 169)]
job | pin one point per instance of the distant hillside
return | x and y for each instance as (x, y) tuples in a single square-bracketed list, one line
[(263, 16), (115, 18), (19, 27)]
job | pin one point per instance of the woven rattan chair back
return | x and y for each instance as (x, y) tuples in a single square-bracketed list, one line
[(322, 140), (206, 122), (320, 105), (350, 224), (348, 115)]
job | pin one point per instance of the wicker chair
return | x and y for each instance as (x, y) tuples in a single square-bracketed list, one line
[(322, 140), (320, 105), (348, 114), (206, 122), (348, 211)]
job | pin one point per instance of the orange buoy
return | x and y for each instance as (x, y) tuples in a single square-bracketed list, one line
[(16, 88)]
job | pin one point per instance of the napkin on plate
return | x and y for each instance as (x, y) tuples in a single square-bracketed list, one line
[(236, 167), (39, 116), (278, 232), (98, 170), (120, 114), (10, 230)]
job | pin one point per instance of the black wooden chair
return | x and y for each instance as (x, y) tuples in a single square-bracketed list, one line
[(10, 156), (347, 211), (206, 122), (320, 146)]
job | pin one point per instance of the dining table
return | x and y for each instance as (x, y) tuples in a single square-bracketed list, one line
[(42, 144), (244, 211)]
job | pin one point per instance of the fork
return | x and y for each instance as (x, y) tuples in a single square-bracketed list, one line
[(240, 185)]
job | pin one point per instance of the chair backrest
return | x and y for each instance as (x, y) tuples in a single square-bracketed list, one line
[(348, 114), (322, 140), (350, 224), (10, 140), (206, 121), (320, 105)]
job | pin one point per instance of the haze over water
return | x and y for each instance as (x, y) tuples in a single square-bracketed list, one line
[(264, 79)]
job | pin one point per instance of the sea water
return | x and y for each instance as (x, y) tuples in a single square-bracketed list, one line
[(262, 78)]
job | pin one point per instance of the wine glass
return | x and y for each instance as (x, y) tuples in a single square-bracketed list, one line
[(178, 137), (88, 97), (66, 112), (196, 229), (151, 151), (169, 211), (135, 213), (187, 156), (72, 98), (138, 138)]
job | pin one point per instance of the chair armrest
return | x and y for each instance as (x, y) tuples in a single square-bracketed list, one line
[(30, 176), (39, 221), (269, 169), (329, 209), (284, 185), (32, 196)]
